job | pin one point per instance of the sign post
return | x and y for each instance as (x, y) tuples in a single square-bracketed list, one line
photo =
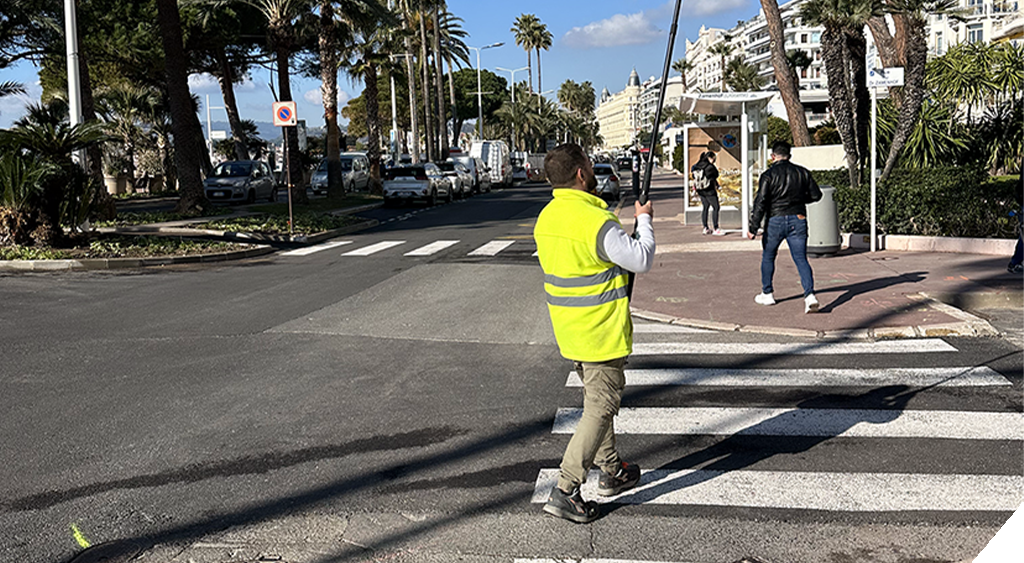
[(878, 78), (285, 116)]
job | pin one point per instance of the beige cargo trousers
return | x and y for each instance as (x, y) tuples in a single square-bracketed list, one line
[(593, 443)]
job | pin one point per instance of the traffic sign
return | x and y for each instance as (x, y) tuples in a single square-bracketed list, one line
[(883, 77), (284, 114)]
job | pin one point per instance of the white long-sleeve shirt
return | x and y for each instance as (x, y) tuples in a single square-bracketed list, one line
[(633, 254)]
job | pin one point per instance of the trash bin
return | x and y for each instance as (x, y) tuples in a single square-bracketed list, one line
[(823, 224)]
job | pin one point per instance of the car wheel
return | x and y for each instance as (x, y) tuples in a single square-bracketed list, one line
[(273, 196), (251, 198), (448, 198), (432, 200)]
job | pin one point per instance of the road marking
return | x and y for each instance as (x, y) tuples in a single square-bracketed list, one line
[(909, 346), (666, 329), (311, 249), (915, 377), (374, 248), (842, 492), (432, 248), (847, 423), (492, 248)]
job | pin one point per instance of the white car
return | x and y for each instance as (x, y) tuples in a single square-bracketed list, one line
[(355, 174), (459, 176), (607, 182), (476, 167), (423, 182)]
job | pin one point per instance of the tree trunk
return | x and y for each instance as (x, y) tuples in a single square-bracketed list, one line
[(105, 208), (529, 75), (372, 126), (187, 154), (227, 89), (540, 88), (428, 109), (291, 135), (411, 77), (857, 47), (913, 93), (789, 87), (442, 111), (456, 131), (832, 46), (329, 91)]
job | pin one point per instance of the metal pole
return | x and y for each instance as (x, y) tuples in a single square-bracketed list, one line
[(74, 77), (288, 175), (394, 110), (648, 168), (479, 99), (874, 164), (209, 128)]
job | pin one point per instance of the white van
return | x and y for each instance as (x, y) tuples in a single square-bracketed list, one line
[(495, 155)]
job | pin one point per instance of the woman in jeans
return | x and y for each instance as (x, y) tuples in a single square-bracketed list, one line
[(705, 176)]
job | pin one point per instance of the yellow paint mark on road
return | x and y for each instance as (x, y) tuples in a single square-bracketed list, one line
[(527, 224), (79, 537)]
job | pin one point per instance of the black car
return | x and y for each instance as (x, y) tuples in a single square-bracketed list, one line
[(624, 163)]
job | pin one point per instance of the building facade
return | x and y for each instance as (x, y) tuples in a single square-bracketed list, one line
[(618, 114)]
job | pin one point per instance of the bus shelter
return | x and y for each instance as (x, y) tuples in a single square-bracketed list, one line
[(740, 143)]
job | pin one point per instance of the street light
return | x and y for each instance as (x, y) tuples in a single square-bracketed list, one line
[(512, 77), (479, 89)]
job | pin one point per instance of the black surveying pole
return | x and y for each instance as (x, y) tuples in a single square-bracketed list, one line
[(645, 180)]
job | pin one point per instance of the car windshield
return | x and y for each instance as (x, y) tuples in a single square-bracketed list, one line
[(346, 165), (405, 172), (603, 170), (446, 166), (232, 169)]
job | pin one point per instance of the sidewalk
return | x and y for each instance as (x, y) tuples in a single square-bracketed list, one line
[(710, 282)]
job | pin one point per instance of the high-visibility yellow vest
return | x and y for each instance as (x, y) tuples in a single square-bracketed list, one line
[(586, 295)]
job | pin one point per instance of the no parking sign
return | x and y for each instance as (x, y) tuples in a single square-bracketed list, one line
[(284, 114)]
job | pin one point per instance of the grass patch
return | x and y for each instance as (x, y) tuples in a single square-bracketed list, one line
[(122, 246), (143, 195), (305, 223), (131, 218)]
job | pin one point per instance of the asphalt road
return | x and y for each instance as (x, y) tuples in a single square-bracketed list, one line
[(394, 407)]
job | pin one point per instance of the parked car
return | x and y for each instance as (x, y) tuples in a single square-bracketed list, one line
[(477, 168), (423, 182), (607, 182), (237, 181), (355, 174), (519, 174), (459, 176), (624, 163)]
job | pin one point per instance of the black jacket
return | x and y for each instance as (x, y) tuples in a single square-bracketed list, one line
[(711, 173), (784, 189)]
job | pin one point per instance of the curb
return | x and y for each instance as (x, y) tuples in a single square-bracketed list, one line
[(123, 263)]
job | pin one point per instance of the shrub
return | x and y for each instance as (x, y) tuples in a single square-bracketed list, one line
[(946, 201)]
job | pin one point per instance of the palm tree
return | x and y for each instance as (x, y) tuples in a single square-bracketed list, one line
[(407, 14), (788, 86), (189, 152), (524, 31), (798, 59), (454, 50), (125, 108), (743, 77), (541, 40), (723, 49), (11, 88), (682, 66)]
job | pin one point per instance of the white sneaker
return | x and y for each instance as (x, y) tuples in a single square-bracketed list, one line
[(707, 231), (810, 304), (765, 299), (718, 233)]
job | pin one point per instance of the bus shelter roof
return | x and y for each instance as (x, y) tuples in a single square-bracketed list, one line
[(724, 103)]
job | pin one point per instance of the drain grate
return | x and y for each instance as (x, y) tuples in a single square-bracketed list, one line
[(109, 552)]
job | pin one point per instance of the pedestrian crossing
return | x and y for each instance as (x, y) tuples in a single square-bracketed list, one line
[(490, 249), (742, 433)]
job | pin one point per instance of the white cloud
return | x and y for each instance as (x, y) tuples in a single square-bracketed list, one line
[(642, 27), (620, 29), (314, 97), (203, 83)]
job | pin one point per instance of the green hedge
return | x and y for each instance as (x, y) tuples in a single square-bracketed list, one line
[(939, 201)]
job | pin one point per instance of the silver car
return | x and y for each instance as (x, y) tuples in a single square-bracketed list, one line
[(607, 182), (240, 181), (423, 182), (355, 174), (459, 176)]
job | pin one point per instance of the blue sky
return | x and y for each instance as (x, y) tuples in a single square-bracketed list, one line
[(597, 40)]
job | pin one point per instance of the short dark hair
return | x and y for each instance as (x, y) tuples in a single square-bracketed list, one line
[(562, 162), (781, 148), (710, 155)]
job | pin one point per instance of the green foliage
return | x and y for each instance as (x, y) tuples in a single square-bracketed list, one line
[(278, 224), (779, 130), (30, 253), (938, 201), (677, 158), (21, 179)]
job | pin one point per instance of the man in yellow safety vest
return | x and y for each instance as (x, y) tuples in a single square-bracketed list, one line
[(586, 257)]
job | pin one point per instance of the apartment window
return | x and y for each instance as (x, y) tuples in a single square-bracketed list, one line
[(803, 38), (816, 37), (975, 33), (938, 42)]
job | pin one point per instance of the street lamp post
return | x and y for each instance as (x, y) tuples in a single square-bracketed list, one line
[(512, 78), (479, 89)]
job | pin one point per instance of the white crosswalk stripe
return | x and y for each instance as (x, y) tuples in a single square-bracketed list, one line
[(835, 377), (881, 417), (432, 248), (375, 248), (492, 248), (317, 248)]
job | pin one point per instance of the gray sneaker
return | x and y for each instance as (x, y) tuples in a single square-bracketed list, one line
[(571, 506), (624, 479)]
